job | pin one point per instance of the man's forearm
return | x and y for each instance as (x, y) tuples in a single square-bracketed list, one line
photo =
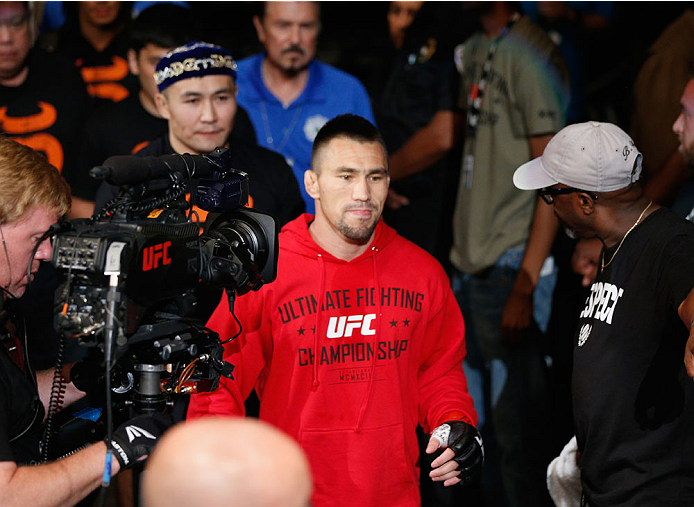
[(58, 484), (686, 310), (427, 146), (44, 379), (81, 208), (542, 232), (686, 313)]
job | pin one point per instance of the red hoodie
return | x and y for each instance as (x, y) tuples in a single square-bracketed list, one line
[(387, 354)]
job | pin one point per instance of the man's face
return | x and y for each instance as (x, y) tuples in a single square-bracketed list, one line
[(684, 124), (289, 32), (15, 38), (350, 185), (20, 238), (99, 14), (144, 64), (200, 111), (400, 17), (566, 208)]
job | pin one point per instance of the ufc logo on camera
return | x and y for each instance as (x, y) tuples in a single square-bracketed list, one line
[(152, 256), (341, 327)]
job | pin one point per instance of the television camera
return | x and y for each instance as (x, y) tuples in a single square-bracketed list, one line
[(134, 276)]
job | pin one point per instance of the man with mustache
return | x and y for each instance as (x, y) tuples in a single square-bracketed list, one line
[(288, 94), (633, 403), (358, 339)]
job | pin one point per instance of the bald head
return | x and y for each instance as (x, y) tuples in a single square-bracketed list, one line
[(226, 462)]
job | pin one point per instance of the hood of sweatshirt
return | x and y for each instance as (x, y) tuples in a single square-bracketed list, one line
[(296, 238)]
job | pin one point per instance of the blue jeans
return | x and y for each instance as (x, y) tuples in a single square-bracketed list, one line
[(508, 381)]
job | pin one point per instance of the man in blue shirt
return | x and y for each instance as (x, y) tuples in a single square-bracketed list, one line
[(288, 94)]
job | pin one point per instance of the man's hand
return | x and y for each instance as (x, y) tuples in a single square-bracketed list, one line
[(585, 259), (689, 354), (135, 439), (516, 317), (462, 460)]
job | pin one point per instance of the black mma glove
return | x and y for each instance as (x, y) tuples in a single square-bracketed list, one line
[(466, 442), (136, 438)]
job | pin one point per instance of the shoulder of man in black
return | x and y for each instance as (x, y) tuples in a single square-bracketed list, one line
[(159, 146), (115, 128), (273, 187)]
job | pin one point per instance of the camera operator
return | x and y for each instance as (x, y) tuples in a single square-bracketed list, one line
[(198, 99), (33, 196)]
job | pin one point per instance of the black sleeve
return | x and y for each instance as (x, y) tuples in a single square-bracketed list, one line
[(75, 102), (448, 87), (81, 183), (243, 128), (290, 204), (5, 449)]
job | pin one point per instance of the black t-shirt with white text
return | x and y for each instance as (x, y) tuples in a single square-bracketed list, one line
[(633, 401)]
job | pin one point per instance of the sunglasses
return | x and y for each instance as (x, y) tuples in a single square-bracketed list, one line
[(548, 194)]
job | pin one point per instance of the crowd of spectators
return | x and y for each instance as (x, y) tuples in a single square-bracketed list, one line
[(77, 84)]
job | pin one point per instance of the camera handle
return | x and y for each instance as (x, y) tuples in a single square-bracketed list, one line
[(149, 397)]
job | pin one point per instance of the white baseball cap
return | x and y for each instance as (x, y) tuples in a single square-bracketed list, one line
[(594, 156)]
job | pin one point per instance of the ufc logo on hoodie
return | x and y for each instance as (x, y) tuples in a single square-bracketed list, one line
[(339, 327)]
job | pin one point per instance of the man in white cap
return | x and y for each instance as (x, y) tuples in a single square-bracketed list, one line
[(633, 403)]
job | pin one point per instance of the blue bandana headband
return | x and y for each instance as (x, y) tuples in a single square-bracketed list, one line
[(195, 59)]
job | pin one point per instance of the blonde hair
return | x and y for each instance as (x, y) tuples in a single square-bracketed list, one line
[(27, 180)]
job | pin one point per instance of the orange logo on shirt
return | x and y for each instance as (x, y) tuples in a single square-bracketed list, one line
[(18, 126), (101, 80), (31, 123), (203, 214), (138, 147)]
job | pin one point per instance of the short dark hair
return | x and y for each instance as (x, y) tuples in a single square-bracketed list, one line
[(350, 126), (165, 25)]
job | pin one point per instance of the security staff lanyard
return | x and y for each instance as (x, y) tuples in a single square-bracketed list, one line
[(475, 102)]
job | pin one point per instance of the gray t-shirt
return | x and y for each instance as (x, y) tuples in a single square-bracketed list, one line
[(526, 95)]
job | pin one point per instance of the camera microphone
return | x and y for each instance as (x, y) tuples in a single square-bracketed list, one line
[(130, 169)]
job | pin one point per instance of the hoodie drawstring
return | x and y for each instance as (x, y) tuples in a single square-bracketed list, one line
[(321, 295), (367, 395)]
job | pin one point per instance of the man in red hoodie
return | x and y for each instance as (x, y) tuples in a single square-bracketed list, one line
[(358, 340)]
